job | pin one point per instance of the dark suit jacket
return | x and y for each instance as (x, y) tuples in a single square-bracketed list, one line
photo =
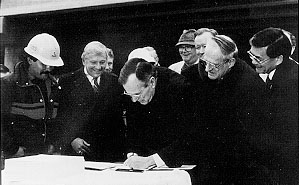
[(157, 126), (282, 139), (225, 142), (94, 117)]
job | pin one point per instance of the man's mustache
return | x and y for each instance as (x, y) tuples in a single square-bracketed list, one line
[(45, 72)]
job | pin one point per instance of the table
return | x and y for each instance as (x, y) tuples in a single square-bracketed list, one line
[(89, 177)]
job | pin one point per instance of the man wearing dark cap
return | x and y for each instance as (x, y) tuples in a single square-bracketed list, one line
[(197, 72), (187, 51)]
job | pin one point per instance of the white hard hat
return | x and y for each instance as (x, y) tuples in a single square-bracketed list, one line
[(45, 48), (141, 53)]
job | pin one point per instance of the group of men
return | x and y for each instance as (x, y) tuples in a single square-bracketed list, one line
[(237, 124)]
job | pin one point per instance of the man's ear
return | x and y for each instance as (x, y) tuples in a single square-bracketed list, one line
[(279, 59), (30, 61), (231, 62), (153, 81)]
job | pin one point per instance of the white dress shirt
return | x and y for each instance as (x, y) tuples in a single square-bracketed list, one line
[(90, 78), (265, 75)]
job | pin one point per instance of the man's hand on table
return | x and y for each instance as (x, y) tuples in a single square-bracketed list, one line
[(139, 162), (80, 146), (20, 152)]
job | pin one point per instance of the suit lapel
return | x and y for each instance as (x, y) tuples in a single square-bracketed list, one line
[(103, 84), (83, 88)]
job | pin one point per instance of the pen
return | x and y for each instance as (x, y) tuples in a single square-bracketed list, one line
[(88, 168), (130, 170), (150, 167), (97, 169)]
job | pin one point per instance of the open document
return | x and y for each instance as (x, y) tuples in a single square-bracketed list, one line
[(99, 166)]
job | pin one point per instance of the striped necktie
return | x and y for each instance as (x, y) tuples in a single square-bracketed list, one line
[(95, 85)]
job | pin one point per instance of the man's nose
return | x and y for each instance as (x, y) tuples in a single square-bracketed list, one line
[(98, 66), (198, 53), (254, 62), (208, 68), (201, 50)]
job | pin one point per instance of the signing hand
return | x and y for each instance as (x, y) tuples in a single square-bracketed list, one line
[(80, 146), (131, 154), (138, 162)]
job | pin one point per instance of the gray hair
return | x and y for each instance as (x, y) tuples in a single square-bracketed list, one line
[(94, 48), (227, 46), (204, 30), (110, 53)]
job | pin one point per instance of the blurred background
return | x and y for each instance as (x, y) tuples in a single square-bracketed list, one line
[(124, 25)]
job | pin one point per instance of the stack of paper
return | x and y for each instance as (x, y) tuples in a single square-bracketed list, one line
[(100, 166)]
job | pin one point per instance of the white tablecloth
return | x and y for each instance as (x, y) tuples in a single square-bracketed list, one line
[(38, 176)]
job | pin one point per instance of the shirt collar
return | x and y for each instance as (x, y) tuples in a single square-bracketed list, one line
[(90, 78), (264, 76), (197, 61)]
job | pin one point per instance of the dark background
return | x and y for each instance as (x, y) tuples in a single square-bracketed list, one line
[(157, 23)]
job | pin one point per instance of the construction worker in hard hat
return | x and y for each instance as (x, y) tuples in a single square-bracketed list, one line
[(29, 99)]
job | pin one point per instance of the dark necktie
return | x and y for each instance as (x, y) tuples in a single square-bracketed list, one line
[(185, 66), (268, 83), (95, 86)]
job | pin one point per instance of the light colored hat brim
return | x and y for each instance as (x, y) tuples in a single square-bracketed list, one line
[(185, 43), (49, 62), (141, 53)]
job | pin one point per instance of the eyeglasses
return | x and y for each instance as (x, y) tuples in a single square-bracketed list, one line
[(187, 48), (198, 47), (137, 96), (255, 58), (214, 66)]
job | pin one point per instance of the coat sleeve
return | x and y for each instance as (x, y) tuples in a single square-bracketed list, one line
[(8, 143)]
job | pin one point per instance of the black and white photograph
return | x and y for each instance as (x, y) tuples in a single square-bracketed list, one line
[(149, 92)]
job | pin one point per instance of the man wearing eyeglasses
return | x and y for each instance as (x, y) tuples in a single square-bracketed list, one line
[(197, 71), (228, 114), (157, 114), (270, 54), (187, 51)]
